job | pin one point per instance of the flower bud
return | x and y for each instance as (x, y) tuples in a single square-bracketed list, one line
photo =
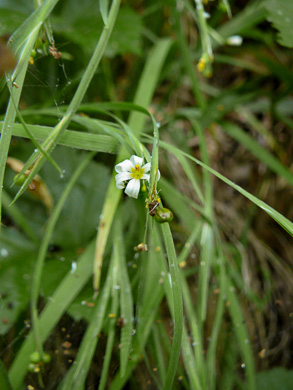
[(163, 215)]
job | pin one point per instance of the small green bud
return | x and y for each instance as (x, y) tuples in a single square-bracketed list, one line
[(163, 215), (31, 367), (46, 358), (35, 357), (19, 180), (33, 53)]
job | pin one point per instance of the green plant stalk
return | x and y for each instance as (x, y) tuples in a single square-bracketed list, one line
[(212, 348), (178, 306), (111, 336), (50, 143), (160, 359), (44, 247), (34, 21), (189, 362), (241, 333), (187, 60), (203, 26), (6, 131), (126, 301), (136, 121)]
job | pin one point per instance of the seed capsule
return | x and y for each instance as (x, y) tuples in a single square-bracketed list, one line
[(163, 215), (35, 357)]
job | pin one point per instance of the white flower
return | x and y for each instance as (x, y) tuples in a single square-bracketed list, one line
[(234, 40), (132, 171)]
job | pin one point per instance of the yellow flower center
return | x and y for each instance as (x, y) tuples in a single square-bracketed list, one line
[(137, 172)]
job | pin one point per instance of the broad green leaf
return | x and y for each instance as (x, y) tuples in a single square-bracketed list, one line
[(84, 28), (278, 378), (17, 256), (281, 15), (10, 21)]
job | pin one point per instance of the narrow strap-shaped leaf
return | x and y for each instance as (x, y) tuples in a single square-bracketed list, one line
[(76, 376), (71, 138), (44, 247), (6, 132), (64, 294), (104, 4), (257, 150), (178, 306), (126, 301), (279, 218)]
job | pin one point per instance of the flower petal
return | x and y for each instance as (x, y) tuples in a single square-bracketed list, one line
[(158, 175), (132, 188), (147, 167), (124, 166), (121, 178), (145, 176), (136, 160)]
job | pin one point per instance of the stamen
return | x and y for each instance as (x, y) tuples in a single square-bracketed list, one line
[(137, 172)]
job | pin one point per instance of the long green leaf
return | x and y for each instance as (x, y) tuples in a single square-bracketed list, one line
[(178, 307), (279, 218), (71, 138), (68, 289), (126, 303), (76, 376), (44, 247), (257, 150)]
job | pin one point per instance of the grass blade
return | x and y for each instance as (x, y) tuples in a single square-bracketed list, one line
[(178, 307), (126, 302), (44, 247), (68, 289), (257, 150)]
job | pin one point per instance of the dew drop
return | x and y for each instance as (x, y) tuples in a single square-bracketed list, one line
[(73, 267), (4, 252)]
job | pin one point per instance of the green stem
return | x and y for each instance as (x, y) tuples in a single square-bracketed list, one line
[(6, 131)]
